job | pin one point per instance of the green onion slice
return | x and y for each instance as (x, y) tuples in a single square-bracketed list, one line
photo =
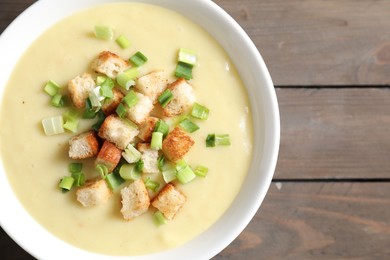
[(128, 172), (139, 166), (156, 142), (53, 125), (161, 127), (131, 154), (159, 219), (79, 179), (71, 114), (183, 70), (201, 171), (169, 175), (104, 32), (151, 185), (223, 139), (121, 110), (138, 59), (131, 99), (75, 167), (200, 112), (99, 122), (210, 140), (161, 163), (184, 172), (57, 100), (188, 125), (165, 98), (102, 170), (187, 56), (51, 88), (89, 112), (123, 41), (66, 183), (127, 78), (71, 125), (106, 91), (114, 180)]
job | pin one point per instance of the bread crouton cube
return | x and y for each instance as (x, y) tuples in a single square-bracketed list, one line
[(169, 200), (183, 98), (177, 144), (118, 131), (110, 64), (109, 155), (135, 200), (79, 89), (94, 192), (152, 84), (140, 111), (149, 157), (109, 106), (83, 146), (147, 128)]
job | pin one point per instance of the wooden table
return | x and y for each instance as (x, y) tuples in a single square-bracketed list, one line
[(330, 63)]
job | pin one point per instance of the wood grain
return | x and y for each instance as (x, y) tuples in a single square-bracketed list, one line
[(334, 133), (318, 221), (319, 42)]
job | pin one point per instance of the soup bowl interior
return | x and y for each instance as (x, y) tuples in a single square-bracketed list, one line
[(265, 115)]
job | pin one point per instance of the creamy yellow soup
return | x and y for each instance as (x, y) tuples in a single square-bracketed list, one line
[(35, 163)]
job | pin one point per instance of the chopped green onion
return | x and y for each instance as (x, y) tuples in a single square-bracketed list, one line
[(161, 127), (199, 111), (123, 41), (57, 100), (159, 218), (131, 155), (169, 175), (138, 59), (105, 81), (79, 179), (100, 80), (95, 98), (165, 98), (106, 91), (121, 110), (187, 56), (139, 166), (151, 185), (75, 167), (201, 171), (161, 162), (180, 165), (53, 125), (222, 139), (156, 142), (71, 125), (210, 140), (183, 70), (184, 173), (71, 114), (114, 180), (51, 88), (89, 112), (102, 170), (104, 32), (99, 122), (66, 183), (188, 125), (128, 172), (131, 99), (127, 78)]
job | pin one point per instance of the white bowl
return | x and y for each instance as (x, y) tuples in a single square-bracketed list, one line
[(252, 69)]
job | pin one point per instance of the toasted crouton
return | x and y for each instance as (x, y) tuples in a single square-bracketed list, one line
[(169, 200), (79, 89), (183, 98), (118, 131), (109, 155), (177, 144), (110, 64), (135, 200), (83, 146), (152, 84), (109, 106), (147, 128), (94, 192), (139, 112), (149, 157)]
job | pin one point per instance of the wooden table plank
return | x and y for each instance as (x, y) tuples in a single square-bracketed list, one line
[(318, 221), (334, 133), (319, 42)]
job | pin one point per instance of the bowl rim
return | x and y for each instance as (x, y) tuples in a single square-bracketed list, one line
[(217, 22)]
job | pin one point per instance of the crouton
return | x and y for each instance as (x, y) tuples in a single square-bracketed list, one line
[(169, 200), (177, 144), (110, 64), (135, 200), (147, 128), (109, 106), (149, 157), (139, 112), (79, 89), (83, 146), (118, 131), (109, 155), (152, 84), (94, 192), (183, 98)]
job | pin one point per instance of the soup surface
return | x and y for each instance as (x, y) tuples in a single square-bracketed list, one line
[(35, 163)]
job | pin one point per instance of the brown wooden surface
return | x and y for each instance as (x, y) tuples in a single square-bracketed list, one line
[(330, 61)]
